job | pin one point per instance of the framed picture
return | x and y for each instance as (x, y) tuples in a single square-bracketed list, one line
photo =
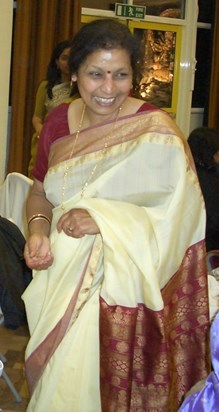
[(159, 72)]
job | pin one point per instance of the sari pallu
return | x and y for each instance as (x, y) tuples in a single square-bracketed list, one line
[(120, 317)]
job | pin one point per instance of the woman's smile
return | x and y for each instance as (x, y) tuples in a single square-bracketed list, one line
[(104, 82), (105, 101)]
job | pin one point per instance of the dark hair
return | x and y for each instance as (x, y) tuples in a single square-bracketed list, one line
[(53, 72), (103, 34), (204, 143)]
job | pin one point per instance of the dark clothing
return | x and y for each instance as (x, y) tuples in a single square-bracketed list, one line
[(14, 274), (209, 182)]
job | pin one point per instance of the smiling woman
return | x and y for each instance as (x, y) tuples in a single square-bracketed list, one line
[(120, 282), (104, 81)]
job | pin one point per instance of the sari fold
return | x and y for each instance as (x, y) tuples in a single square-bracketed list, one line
[(120, 316)]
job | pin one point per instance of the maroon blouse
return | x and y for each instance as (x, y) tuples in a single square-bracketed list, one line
[(56, 126)]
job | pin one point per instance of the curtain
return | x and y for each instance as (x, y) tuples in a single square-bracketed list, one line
[(39, 25), (213, 113)]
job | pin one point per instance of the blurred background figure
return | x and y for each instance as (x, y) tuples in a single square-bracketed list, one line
[(50, 93), (204, 144), (15, 276), (204, 396)]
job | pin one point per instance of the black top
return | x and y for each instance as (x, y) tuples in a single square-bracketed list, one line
[(209, 182)]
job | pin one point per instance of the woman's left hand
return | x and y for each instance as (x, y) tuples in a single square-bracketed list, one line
[(77, 223)]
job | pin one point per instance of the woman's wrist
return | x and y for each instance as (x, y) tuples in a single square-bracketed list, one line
[(39, 216), (39, 223)]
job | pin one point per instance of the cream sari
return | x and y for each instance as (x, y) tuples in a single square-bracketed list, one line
[(117, 321)]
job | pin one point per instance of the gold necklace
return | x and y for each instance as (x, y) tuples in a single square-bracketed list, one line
[(105, 147), (71, 154)]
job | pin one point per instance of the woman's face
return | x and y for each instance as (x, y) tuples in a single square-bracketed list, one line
[(62, 61), (104, 80)]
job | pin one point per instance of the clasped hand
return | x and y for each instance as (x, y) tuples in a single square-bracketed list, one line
[(75, 223)]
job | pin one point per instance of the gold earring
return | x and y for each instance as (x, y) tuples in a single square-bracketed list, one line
[(72, 81)]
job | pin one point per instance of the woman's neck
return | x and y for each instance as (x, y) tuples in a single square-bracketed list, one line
[(65, 78), (91, 119)]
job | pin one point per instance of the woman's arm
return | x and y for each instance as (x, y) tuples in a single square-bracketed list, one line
[(40, 109), (37, 123), (38, 204), (37, 250)]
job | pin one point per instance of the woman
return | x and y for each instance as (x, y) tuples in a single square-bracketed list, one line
[(204, 145), (51, 92), (119, 292)]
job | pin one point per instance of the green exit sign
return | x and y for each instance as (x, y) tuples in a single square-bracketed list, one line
[(131, 12)]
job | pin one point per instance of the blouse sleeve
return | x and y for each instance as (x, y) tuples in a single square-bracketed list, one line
[(147, 107), (40, 108), (55, 126)]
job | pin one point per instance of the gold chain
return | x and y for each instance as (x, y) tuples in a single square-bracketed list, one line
[(71, 154), (106, 140)]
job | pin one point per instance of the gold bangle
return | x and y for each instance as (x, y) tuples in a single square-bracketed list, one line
[(39, 216)]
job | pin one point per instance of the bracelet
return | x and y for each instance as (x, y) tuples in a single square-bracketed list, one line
[(39, 216)]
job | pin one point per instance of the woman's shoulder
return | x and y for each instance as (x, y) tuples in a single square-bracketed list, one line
[(56, 122), (134, 105), (42, 85), (59, 111), (146, 107), (44, 82), (74, 113), (76, 102)]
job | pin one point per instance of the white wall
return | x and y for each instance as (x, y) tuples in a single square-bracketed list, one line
[(196, 119), (6, 21)]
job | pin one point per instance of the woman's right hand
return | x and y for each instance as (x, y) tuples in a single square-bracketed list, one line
[(37, 251)]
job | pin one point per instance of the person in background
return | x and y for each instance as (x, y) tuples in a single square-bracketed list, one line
[(204, 145), (14, 274), (51, 92), (204, 396), (119, 285)]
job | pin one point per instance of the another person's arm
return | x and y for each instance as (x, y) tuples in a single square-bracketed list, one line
[(37, 124), (40, 109)]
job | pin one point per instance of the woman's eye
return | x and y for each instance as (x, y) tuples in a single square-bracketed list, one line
[(95, 74), (121, 75)]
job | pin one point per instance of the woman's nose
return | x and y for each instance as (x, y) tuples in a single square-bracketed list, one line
[(108, 84)]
